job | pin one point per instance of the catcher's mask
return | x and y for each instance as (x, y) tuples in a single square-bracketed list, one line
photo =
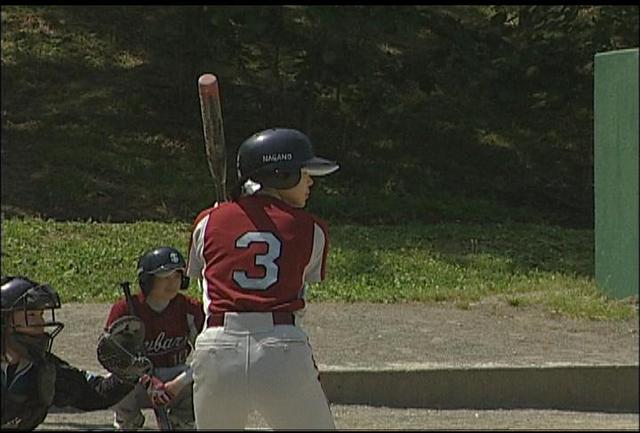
[(159, 262), (20, 294)]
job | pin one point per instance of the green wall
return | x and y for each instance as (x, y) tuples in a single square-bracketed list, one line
[(616, 172)]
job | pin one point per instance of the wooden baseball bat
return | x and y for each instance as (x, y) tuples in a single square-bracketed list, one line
[(162, 417), (212, 126)]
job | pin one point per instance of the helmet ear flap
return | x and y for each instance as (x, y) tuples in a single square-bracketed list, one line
[(279, 178), (145, 281), (184, 283)]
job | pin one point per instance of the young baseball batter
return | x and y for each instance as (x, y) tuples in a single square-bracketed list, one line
[(253, 257), (172, 322)]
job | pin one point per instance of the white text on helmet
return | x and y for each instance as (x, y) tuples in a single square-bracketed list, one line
[(275, 157)]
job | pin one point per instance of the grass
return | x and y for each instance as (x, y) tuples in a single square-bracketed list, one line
[(521, 264), (101, 120), (94, 125), (94, 141)]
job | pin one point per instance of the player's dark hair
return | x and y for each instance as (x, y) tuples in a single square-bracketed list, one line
[(235, 191)]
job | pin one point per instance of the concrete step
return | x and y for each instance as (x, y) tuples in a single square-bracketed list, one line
[(588, 387), (557, 386)]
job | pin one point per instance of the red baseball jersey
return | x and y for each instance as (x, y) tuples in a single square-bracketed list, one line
[(169, 333), (256, 254)]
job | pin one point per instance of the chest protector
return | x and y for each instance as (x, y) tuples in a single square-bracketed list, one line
[(26, 400)]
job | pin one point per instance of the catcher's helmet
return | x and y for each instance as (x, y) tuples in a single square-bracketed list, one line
[(22, 294), (160, 261), (274, 157)]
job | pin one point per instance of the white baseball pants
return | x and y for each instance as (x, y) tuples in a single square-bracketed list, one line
[(251, 364)]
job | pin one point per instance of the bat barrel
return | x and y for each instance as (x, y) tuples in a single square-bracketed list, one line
[(213, 131), (208, 85)]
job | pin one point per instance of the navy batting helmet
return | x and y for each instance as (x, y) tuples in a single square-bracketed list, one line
[(274, 157), (160, 261)]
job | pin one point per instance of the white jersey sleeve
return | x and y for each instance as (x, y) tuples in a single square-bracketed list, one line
[(314, 271), (196, 263)]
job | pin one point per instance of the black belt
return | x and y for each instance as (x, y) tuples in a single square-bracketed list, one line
[(279, 318)]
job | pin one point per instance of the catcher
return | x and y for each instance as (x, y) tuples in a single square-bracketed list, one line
[(33, 378), (171, 323)]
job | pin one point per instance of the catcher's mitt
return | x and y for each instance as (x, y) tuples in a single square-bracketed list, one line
[(121, 349)]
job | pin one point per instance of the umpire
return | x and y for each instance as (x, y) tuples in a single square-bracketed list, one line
[(34, 379)]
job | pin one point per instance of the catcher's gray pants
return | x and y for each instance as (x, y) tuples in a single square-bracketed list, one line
[(128, 414), (251, 364)]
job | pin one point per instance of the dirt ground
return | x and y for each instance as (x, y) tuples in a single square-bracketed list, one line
[(384, 418), (370, 335)]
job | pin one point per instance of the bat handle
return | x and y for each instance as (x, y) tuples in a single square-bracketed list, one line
[(126, 288), (162, 418)]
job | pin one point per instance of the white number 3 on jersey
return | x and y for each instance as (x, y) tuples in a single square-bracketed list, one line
[(266, 260)]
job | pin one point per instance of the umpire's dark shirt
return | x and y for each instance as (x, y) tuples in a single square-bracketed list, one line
[(24, 409)]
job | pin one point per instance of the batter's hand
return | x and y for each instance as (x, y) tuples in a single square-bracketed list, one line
[(174, 387), (158, 394)]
